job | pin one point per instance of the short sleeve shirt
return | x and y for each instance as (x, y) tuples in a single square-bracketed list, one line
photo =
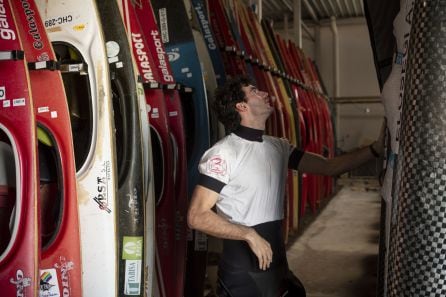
[(252, 176)]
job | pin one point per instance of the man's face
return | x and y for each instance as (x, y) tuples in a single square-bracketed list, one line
[(258, 102)]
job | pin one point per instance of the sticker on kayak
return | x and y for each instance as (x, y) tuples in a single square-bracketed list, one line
[(155, 113), (134, 205), (113, 49), (21, 282), (2, 93), (43, 109), (132, 248), (5, 32), (173, 55), (102, 186), (58, 21), (132, 284), (162, 56), (143, 59), (164, 28), (64, 268), (207, 33), (186, 71), (132, 252), (19, 102), (49, 286)]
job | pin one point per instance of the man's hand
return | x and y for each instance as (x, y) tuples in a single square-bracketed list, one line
[(261, 248), (201, 217)]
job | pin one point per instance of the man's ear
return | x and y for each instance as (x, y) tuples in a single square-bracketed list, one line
[(241, 106)]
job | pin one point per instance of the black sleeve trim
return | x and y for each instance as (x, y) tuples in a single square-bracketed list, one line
[(295, 157), (211, 183)]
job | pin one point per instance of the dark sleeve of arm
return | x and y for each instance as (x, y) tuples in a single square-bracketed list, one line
[(295, 157), (211, 183)]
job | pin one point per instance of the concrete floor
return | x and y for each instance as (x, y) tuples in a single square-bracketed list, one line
[(336, 256)]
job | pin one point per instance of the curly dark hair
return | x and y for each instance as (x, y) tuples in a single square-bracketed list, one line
[(226, 97)]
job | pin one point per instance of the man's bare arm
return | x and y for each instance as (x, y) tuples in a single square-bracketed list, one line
[(201, 217), (317, 164)]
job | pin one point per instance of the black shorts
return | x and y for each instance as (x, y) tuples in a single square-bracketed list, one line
[(239, 274)]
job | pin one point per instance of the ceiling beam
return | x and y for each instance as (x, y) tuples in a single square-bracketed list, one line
[(333, 8), (287, 4), (276, 5), (297, 17), (355, 7), (338, 4), (310, 11), (268, 6), (325, 8), (362, 7), (317, 8), (308, 31), (349, 10)]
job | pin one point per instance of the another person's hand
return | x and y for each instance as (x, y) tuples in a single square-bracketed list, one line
[(261, 248)]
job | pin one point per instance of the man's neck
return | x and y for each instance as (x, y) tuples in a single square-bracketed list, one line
[(250, 134), (258, 125)]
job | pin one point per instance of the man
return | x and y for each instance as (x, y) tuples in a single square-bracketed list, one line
[(244, 176)]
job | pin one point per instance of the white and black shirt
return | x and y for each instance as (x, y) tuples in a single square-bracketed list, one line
[(249, 170)]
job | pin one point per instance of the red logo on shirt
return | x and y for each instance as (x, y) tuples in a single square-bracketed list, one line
[(216, 165)]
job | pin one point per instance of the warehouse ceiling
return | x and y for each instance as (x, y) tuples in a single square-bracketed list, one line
[(378, 13), (312, 10)]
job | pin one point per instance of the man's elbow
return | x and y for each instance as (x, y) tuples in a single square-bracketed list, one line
[(193, 219)]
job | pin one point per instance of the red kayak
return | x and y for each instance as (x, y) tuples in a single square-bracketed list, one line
[(19, 254), (163, 153), (60, 266), (171, 284)]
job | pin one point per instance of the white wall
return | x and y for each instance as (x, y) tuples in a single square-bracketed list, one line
[(357, 123), (357, 70)]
